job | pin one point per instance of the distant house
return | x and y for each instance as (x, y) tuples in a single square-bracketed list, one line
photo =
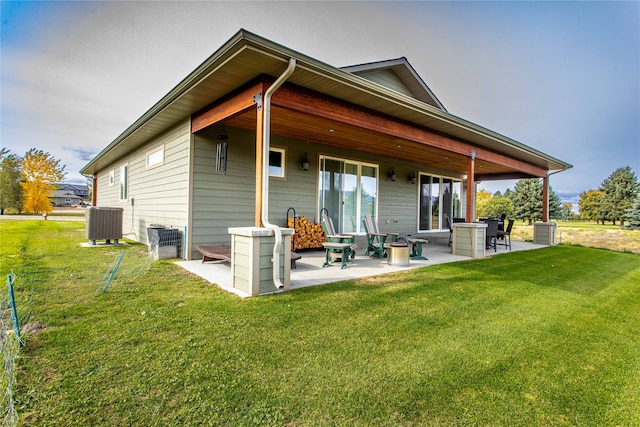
[(366, 139), (80, 190), (65, 198)]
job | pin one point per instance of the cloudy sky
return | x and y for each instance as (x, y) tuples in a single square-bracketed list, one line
[(563, 78)]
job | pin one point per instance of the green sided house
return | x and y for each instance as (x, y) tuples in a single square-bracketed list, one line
[(258, 128)]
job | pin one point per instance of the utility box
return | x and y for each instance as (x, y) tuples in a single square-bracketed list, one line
[(164, 242), (103, 223)]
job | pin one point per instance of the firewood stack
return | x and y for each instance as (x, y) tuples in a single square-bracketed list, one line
[(308, 234)]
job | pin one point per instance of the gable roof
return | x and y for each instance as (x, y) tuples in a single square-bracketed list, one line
[(247, 56), (397, 74)]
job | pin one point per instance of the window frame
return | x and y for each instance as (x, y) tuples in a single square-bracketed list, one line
[(123, 185), (441, 216), (283, 162), (151, 156), (359, 164)]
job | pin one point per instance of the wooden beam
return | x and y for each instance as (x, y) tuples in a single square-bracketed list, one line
[(236, 104), (259, 149), (502, 177), (471, 187), (312, 104)]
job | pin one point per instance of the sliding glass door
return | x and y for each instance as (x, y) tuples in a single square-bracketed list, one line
[(348, 191), (439, 201)]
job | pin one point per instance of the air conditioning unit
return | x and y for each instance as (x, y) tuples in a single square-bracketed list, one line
[(103, 223)]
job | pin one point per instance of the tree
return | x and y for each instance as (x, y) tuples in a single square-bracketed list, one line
[(620, 190), (592, 206), (527, 201), (633, 215), (482, 197), (10, 190), (565, 213), (40, 172), (496, 206)]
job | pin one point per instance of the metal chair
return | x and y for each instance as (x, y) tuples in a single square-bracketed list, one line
[(506, 235)]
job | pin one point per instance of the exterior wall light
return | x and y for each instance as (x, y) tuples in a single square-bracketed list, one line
[(392, 174), (304, 162), (413, 178)]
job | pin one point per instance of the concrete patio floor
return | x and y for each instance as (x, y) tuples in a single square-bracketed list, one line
[(309, 271)]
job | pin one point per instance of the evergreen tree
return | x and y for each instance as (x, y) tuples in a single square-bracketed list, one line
[(633, 215), (10, 190), (527, 201), (620, 190), (565, 212)]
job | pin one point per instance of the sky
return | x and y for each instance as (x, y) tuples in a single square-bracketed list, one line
[(560, 77)]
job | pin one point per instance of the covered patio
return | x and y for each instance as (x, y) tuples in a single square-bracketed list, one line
[(309, 270)]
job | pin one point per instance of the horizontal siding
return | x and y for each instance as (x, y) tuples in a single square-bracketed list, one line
[(160, 194), (387, 78), (223, 201)]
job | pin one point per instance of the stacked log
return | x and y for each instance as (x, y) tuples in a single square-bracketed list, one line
[(308, 234)]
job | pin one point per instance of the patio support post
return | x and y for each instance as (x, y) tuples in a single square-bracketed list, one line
[(545, 198), (470, 186), (259, 160)]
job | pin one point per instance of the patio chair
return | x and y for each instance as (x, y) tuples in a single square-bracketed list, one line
[(492, 234), (377, 242), (505, 235), (333, 237)]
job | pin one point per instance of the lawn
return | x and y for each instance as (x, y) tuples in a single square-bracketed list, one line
[(585, 233), (533, 338)]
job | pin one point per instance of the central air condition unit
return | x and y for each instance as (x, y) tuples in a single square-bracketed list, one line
[(103, 223)]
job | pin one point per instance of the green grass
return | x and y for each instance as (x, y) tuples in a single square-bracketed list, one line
[(534, 338)]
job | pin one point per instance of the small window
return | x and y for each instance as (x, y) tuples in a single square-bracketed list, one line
[(156, 157), (277, 162), (123, 182), (112, 177)]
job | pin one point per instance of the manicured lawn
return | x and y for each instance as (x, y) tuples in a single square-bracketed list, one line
[(585, 233), (534, 338)]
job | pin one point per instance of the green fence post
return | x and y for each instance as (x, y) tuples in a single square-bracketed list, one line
[(12, 301), (113, 272)]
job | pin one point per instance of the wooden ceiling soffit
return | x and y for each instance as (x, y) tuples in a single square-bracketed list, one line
[(302, 101), (237, 104), (504, 176), (317, 105)]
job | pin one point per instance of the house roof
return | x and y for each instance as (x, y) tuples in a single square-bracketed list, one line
[(246, 57), (401, 70), (66, 194)]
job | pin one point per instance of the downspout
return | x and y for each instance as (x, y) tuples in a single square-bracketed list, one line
[(546, 192), (266, 135)]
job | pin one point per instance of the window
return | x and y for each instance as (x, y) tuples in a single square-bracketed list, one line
[(155, 157), (439, 200), (348, 191), (277, 162), (123, 182), (112, 177)]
